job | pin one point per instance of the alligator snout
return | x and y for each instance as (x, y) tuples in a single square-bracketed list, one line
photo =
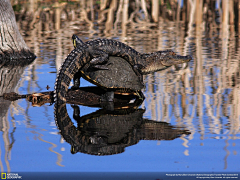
[(176, 59), (189, 58), (183, 58)]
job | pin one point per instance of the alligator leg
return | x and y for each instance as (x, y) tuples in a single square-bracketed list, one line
[(102, 67), (99, 57), (138, 67), (137, 70)]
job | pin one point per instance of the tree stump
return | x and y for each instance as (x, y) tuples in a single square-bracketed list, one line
[(13, 49)]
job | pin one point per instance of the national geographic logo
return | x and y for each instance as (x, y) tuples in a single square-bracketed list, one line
[(10, 176), (3, 176)]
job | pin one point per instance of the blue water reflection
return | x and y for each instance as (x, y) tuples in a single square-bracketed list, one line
[(199, 101)]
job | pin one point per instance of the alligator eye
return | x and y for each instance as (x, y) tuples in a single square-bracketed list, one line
[(169, 57)]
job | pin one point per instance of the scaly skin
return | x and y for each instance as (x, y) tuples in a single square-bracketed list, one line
[(75, 137), (65, 124), (150, 62), (109, 132), (74, 61), (100, 49), (96, 52), (86, 53), (142, 63)]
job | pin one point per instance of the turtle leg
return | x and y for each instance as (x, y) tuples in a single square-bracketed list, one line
[(107, 105), (107, 100), (140, 95), (76, 115), (108, 96), (76, 80), (76, 112)]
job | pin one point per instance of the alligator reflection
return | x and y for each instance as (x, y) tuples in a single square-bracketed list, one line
[(108, 132)]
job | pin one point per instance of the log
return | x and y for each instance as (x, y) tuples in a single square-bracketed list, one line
[(87, 96)]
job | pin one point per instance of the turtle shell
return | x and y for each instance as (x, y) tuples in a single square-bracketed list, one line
[(120, 76)]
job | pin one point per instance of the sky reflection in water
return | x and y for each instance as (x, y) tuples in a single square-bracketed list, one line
[(203, 97)]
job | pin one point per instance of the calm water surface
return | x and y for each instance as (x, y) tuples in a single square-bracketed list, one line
[(201, 96)]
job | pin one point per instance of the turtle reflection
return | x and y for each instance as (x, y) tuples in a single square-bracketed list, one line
[(107, 132)]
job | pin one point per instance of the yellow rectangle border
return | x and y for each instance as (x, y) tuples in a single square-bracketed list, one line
[(3, 174)]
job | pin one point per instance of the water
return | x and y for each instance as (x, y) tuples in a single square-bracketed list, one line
[(201, 96)]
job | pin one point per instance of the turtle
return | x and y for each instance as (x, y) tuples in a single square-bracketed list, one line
[(119, 79)]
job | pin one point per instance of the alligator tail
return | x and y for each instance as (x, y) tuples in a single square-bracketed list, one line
[(65, 126), (74, 61)]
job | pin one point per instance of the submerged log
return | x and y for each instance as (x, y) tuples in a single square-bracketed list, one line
[(87, 96), (13, 49)]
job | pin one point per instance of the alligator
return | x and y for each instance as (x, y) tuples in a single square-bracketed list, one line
[(142, 63), (107, 132), (74, 61), (96, 53)]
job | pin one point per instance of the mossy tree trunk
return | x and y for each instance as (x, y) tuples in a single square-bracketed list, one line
[(13, 49)]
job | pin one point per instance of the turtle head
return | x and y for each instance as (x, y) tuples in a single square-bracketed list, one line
[(77, 41), (74, 149)]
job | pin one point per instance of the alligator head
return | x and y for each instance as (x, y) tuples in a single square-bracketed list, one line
[(161, 60), (169, 58)]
